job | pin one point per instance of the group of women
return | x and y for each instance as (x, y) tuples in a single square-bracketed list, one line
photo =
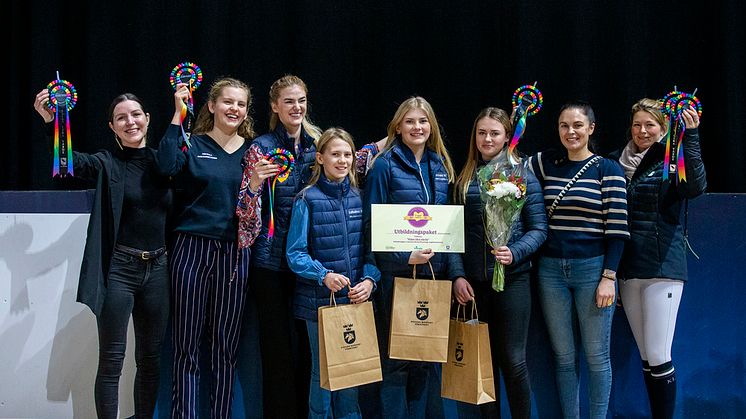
[(587, 221)]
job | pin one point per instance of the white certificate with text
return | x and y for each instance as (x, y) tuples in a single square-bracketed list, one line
[(407, 227)]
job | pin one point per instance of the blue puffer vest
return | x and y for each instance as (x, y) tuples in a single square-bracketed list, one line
[(270, 253), (406, 186), (527, 235), (656, 248), (335, 238)]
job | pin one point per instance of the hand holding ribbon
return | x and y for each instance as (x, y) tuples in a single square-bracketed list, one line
[(189, 75)]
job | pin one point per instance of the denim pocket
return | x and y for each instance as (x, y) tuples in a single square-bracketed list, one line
[(121, 257), (161, 260)]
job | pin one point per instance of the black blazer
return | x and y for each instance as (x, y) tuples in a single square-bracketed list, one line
[(103, 226)]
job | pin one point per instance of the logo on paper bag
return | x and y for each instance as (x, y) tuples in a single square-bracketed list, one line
[(459, 354), (348, 335), (422, 311), (418, 217)]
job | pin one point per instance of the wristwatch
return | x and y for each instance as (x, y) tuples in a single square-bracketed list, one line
[(609, 274)]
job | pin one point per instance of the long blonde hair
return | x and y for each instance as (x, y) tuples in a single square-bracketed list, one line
[(206, 120), (472, 161), (283, 82), (326, 137), (434, 142)]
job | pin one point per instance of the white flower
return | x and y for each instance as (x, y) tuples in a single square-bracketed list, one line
[(501, 189)]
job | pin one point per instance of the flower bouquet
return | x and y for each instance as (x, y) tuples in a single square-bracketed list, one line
[(502, 186)]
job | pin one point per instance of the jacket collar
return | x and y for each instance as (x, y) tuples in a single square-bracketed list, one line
[(406, 156), (651, 158), (306, 141), (333, 189)]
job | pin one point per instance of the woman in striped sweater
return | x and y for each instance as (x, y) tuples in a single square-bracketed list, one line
[(586, 203)]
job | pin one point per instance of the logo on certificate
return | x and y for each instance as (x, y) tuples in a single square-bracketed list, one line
[(418, 217)]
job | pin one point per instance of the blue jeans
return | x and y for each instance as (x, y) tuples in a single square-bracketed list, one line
[(138, 287), (323, 403), (567, 291)]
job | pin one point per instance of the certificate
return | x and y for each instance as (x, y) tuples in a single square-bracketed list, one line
[(403, 228)]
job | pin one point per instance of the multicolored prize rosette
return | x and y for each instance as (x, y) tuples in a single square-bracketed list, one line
[(285, 160), (62, 99), (673, 105), (190, 74), (527, 100)]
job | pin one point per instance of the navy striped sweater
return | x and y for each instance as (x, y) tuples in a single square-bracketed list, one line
[(591, 219)]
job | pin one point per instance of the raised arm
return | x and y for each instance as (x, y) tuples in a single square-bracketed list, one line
[(171, 160)]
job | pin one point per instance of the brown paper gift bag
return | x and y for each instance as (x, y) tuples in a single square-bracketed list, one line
[(467, 376), (419, 319), (348, 346)]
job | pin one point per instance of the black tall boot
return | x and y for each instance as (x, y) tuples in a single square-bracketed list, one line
[(648, 381), (662, 391)]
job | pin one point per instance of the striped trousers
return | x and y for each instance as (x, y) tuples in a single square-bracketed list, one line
[(206, 296)]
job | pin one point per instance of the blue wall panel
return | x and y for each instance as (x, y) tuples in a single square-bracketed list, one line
[(709, 350)]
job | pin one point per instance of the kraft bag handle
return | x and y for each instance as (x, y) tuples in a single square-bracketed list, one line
[(414, 270), (332, 300), (458, 311), (474, 312)]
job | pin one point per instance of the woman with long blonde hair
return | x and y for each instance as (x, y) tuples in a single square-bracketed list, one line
[(413, 168)]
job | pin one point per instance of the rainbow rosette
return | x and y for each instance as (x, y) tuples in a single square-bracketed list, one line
[(527, 100), (673, 105), (286, 162), (62, 99), (190, 74)]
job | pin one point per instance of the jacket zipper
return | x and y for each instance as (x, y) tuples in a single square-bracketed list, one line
[(424, 187), (346, 237)]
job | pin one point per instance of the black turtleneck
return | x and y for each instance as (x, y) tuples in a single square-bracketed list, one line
[(146, 200)]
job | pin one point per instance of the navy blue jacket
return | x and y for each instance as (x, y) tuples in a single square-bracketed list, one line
[(395, 178), (527, 235), (657, 248), (326, 235), (270, 253)]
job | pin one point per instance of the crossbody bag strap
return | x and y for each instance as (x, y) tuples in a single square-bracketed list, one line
[(569, 185)]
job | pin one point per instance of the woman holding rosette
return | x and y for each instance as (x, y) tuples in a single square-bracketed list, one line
[(654, 261), (124, 272), (586, 203), (507, 312)]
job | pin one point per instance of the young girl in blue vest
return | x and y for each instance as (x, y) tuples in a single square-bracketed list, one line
[(325, 249), (413, 168)]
